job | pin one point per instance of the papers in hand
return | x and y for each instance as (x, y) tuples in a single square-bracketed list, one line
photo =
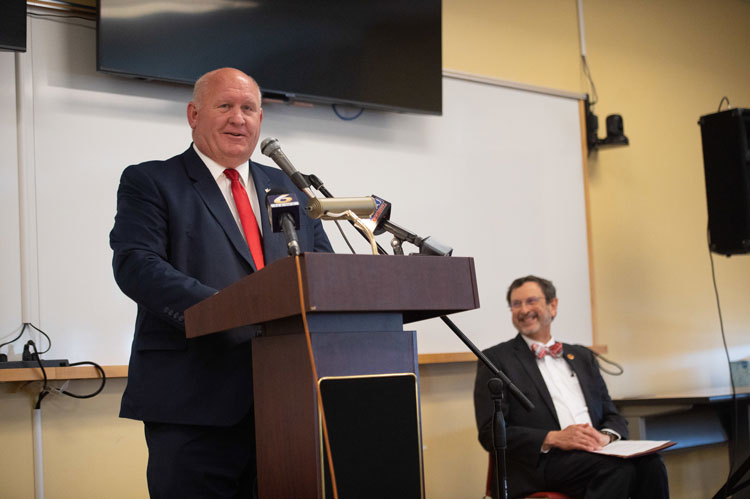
[(634, 448)]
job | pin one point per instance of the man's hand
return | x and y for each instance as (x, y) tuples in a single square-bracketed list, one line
[(576, 437)]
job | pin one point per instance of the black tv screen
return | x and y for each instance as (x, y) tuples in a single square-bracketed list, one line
[(381, 54), (13, 25)]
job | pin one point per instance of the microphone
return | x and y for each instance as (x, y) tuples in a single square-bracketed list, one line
[(270, 147), (283, 213), (381, 214), (319, 207)]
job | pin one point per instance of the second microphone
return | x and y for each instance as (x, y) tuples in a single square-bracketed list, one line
[(321, 207)]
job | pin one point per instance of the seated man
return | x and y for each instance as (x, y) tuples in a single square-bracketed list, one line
[(549, 448)]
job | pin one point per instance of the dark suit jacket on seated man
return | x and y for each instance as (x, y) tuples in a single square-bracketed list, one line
[(179, 238), (549, 447)]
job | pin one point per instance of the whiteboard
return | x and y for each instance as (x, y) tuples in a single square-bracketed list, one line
[(498, 177), (10, 278)]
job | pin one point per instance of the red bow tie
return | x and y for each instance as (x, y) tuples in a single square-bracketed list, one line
[(540, 351)]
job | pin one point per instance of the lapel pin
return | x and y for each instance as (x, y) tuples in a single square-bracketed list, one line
[(267, 189), (570, 356)]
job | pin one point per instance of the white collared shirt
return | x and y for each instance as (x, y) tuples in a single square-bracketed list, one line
[(564, 388), (225, 186)]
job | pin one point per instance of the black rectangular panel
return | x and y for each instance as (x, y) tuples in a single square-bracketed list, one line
[(374, 432), (13, 25)]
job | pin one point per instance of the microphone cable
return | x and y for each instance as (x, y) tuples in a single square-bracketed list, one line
[(610, 362), (735, 406), (319, 397)]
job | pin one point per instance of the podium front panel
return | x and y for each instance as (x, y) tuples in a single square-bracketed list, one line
[(290, 463)]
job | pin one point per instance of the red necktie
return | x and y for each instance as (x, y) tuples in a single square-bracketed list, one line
[(540, 350), (247, 217)]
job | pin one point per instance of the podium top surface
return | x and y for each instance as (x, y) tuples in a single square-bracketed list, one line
[(420, 287)]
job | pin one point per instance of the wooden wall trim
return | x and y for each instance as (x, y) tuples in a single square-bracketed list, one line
[(587, 201), (112, 372)]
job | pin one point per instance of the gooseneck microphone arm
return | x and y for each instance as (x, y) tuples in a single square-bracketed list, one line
[(318, 184)]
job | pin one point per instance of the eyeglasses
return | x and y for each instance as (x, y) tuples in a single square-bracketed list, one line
[(530, 302)]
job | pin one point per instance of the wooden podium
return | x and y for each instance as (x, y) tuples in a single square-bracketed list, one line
[(356, 306)]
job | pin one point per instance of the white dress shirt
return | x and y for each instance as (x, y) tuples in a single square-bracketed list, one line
[(225, 185), (565, 390), (563, 387)]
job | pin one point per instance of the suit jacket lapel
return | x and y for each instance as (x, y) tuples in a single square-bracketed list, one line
[(528, 361), (578, 366), (207, 189)]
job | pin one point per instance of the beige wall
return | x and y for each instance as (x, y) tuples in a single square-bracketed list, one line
[(88, 451), (661, 64)]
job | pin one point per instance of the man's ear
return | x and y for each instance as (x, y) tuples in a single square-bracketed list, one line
[(553, 307), (192, 113)]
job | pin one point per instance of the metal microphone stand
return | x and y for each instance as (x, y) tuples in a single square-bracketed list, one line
[(498, 438), (495, 386)]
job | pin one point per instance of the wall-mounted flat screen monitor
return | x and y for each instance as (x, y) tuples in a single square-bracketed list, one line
[(13, 25), (381, 54)]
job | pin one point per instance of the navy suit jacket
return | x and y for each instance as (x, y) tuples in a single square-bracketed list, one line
[(175, 243), (526, 430)]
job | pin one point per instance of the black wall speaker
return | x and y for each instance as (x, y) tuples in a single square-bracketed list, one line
[(726, 162)]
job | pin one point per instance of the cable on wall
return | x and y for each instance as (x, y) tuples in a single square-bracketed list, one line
[(46, 390), (602, 358), (586, 69), (4, 357), (735, 407)]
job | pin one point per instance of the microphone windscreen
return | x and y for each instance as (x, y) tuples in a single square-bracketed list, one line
[(269, 146), (381, 214), (278, 203)]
